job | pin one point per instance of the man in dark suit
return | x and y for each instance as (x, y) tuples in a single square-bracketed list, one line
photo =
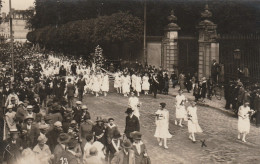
[(132, 123), (30, 133), (70, 92), (80, 84)]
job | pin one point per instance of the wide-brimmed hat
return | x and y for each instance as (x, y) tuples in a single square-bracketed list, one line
[(29, 107), (129, 110), (10, 107), (84, 107), (43, 127), (13, 131), (136, 135), (57, 124), (64, 138), (42, 139), (99, 119), (28, 117), (78, 102), (127, 144)]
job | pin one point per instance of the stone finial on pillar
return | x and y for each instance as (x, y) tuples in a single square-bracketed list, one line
[(169, 57), (208, 46)]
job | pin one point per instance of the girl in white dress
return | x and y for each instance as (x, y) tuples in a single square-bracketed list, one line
[(105, 84), (179, 99), (145, 84), (96, 85), (193, 124), (117, 82), (133, 84), (126, 81), (162, 125), (244, 121), (181, 112), (138, 84)]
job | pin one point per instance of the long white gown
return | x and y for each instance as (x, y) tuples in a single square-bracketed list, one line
[(138, 84), (243, 120), (96, 84), (181, 112), (126, 81), (162, 124)]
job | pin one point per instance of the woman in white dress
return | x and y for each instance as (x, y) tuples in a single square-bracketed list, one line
[(126, 81), (133, 80), (117, 82), (244, 121), (180, 98), (138, 84), (145, 84), (193, 124), (105, 84), (181, 112), (162, 125), (9, 118), (96, 84)]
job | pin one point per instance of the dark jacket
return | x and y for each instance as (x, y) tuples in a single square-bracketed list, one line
[(132, 124), (70, 90)]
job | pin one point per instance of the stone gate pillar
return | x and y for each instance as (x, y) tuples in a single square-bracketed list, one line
[(169, 57), (208, 46)]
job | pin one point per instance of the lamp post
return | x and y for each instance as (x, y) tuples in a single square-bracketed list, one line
[(145, 54), (11, 36)]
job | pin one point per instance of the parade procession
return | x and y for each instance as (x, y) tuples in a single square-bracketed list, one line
[(111, 82)]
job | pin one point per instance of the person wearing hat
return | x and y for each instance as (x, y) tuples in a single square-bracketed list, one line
[(110, 128), (162, 125), (203, 88), (42, 151), (85, 128), (131, 123), (99, 130), (93, 158), (69, 156), (30, 112), (70, 92), (44, 129), (244, 113), (12, 147), (80, 85), (125, 155), (10, 118), (115, 145), (21, 112), (12, 98), (193, 124), (54, 134), (62, 140), (139, 148), (30, 132)]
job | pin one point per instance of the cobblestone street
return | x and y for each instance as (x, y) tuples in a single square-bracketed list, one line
[(220, 132)]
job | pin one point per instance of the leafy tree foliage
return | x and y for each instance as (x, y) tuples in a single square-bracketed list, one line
[(230, 16), (81, 36)]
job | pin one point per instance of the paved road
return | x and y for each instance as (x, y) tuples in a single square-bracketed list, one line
[(220, 132)]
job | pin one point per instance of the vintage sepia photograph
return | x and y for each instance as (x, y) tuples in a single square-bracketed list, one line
[(129, 81)]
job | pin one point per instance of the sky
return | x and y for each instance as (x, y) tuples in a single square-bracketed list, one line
[(17, 4)]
